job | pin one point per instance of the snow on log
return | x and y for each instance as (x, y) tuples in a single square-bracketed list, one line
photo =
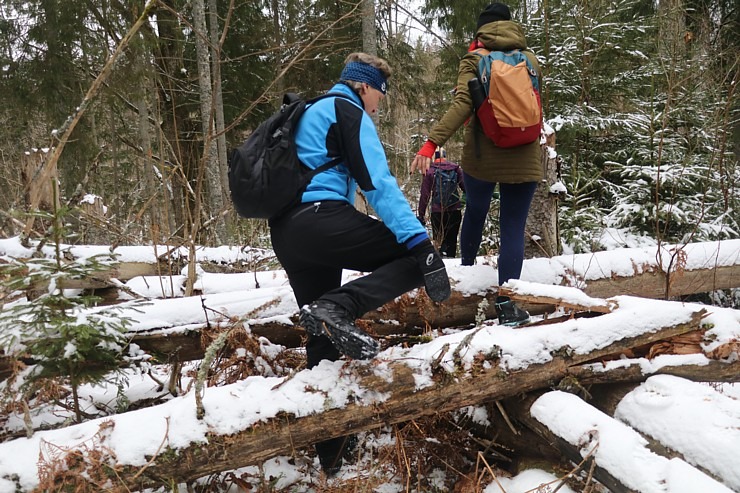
[(624, 463), (270, 312), (692, 419), (652, 272), (694, 367), (560, 296), (273, 314), (258, 418)]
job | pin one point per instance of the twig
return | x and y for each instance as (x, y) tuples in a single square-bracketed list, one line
[(151, 461), (463, 344), (115, 283), (208, 357), (506, 418), (435, 363), (589, 479), (573, 471), (493, 474)]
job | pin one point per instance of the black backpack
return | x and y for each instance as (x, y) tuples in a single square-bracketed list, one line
[(444, 188), (266, 178)]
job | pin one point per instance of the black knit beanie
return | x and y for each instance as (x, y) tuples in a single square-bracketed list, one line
[(494, 12)]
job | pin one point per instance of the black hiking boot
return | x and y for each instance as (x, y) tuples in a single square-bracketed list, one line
[(331, 463), (331, 467), (350, 448), (326, 318), (510, 314)]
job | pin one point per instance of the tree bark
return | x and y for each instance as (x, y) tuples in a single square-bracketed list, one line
[(542, 230), (174, 114), (279, 40), (39, 192), (369, 46), (153, 214), (369, 38), (214, 190), (520, 411), (214, 33)]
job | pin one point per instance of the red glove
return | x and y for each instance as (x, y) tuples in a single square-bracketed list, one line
[(475, 44), (427, 150)]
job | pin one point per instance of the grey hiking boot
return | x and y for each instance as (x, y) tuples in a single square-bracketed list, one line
[(510, 314), (326, 318)]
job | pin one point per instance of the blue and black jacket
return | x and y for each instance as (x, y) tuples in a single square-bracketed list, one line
[(339, 127)]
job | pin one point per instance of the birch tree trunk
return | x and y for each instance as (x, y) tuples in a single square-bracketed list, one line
[(214, 191)]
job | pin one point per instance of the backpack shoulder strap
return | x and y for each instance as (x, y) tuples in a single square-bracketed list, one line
[(484, 64), (534, 72), (327, 95), (336, 160), (290, 97)]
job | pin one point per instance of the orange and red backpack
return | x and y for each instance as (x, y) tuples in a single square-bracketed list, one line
[(511, 112)]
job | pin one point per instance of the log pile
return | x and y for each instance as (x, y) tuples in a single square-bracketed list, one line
[(475, 367), (474, 385), (599, 351)]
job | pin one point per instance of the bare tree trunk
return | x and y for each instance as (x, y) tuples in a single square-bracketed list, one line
[(214, 190), (542, 223), (153, 213), (369, 46), (179, 156), (277, 32), (218, 100), (172, 190), (39, 193), (369, 39)]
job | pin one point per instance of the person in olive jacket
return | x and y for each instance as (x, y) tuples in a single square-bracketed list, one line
[(516, 170)]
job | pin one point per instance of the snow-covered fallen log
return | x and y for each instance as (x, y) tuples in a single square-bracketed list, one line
[(689, 418), (652, 272), (172, 328), (624, 463)]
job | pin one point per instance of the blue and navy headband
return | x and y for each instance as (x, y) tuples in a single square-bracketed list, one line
[(362, 72)]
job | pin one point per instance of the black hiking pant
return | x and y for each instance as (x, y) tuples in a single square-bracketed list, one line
[(445, 227), (314, 242)]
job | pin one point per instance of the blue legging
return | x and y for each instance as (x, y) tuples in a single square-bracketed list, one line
[(515, 200)]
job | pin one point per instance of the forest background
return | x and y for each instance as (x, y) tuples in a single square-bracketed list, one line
[(642, 96), (128, 108)]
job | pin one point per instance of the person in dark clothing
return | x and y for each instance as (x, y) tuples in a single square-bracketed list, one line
[(441, 185), (325, 234), (516, 170)]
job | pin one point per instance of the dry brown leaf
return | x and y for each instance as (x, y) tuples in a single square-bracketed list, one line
[(465, 485)]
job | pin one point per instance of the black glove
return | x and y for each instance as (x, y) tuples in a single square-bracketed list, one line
[(436, 282)]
